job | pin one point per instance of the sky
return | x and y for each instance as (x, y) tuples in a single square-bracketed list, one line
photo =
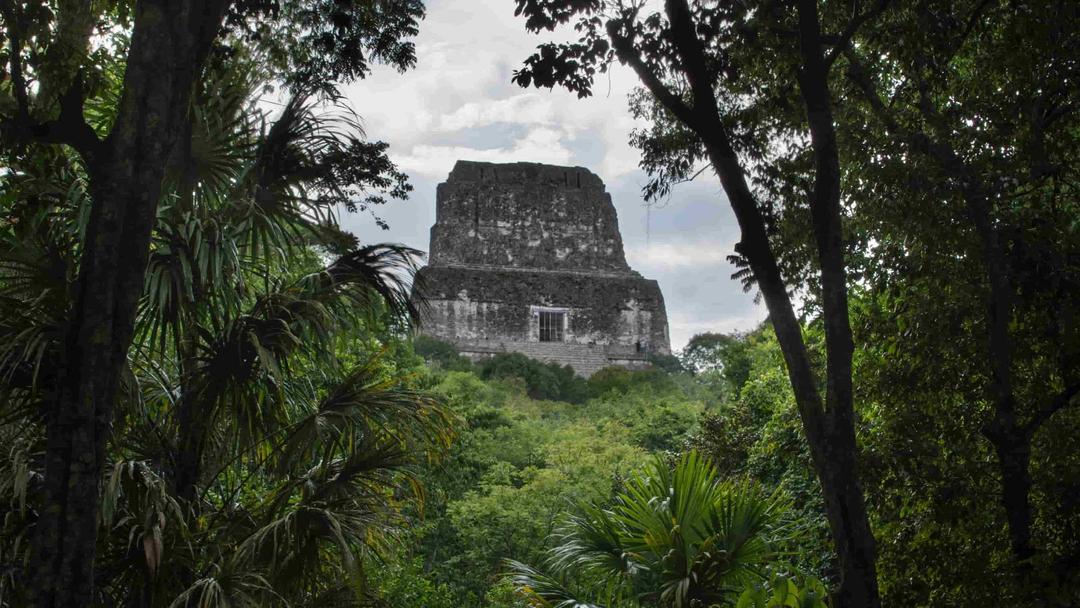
[(459, 103)]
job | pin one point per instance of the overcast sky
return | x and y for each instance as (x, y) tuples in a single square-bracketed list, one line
[(459, 103)]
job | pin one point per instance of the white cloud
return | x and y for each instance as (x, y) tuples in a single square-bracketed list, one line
[(669, 256), (466, 55), (542, 145), (682, 327), (526, 109), (451, 106)]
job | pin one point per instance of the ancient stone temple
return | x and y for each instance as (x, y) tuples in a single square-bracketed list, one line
[(528, 258)]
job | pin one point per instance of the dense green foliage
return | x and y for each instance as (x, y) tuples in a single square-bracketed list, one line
[(909, 168), (930, 490), (544, 381), (673, 536), (781, 591), (209, 396), (264, 438), (519, 463), (524, 470)]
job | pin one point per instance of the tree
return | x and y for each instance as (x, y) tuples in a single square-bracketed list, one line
[(698, 68), (962, 124), (258, 434), (724, 353), (125, 172), (674, 537), (119, 143), (515, 466), (543, 380), (756, 434)]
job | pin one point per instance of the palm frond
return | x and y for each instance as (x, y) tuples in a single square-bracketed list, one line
[(36, 273), (226, 588), (593, 542), (372, 276), (364, 404), (545, 590), (338, 511), (674, 536)]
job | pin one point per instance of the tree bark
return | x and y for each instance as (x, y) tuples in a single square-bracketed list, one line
[(192, 440), (829, 425), (1014, 459), (1010, 438), (856, 547), (169, 40)]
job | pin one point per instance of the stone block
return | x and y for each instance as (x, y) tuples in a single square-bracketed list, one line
[(517, 246)]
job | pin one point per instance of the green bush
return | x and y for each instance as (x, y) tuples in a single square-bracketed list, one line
[(623, 381), (668, 363), (547, 381), (441, 354), (781, 591), (400, 583)]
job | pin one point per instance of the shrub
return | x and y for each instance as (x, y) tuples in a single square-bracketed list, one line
[(548, 381), (623, 381), (441, 354), (668, 363)]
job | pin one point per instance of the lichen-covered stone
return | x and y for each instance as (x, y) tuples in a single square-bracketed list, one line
[(512, 240)]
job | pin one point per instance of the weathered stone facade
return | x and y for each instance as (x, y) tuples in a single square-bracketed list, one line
[(528, 258)]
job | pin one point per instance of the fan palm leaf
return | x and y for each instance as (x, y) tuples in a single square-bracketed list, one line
[(337, 510), (363, 404), (301, 461), (38, 236), (226, 588), (549, 591), (673, 536)]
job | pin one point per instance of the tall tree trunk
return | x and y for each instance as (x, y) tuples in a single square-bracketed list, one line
[(829, 428), (192, 431), (848, 518), (169, 40), (1011, 439), (829, 425), (1014, 460)]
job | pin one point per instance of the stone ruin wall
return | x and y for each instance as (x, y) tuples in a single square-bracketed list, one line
[(526, 216), (510, 240)]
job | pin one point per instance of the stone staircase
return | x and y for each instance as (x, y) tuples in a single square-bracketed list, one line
[(584, 358)]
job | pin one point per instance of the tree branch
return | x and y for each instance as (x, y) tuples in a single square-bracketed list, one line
[(841, 43), (68, 48), (1059, 402), (70, 127), (18, 81), (857, 74), (972, 21), (693, 58), (624, 50), (825, 209)]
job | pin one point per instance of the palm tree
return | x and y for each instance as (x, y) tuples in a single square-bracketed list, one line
[(674, 537), (263, 441)]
